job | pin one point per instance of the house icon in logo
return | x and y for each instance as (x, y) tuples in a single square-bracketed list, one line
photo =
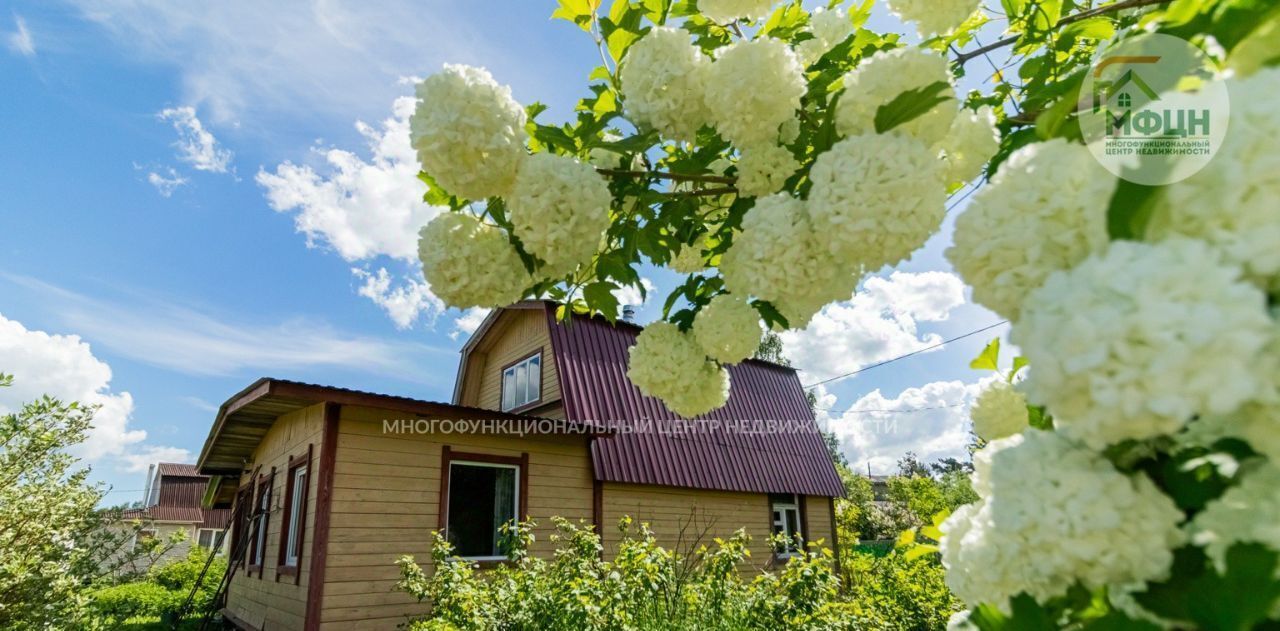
[(1126, 92)]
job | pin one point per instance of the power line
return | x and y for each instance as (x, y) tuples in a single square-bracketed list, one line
[(891, 411), (912, 353)]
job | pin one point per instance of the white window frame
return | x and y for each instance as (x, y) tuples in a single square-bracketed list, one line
[(779, 511), (213, 538), (515, 500), (293, 551), (533, 387)]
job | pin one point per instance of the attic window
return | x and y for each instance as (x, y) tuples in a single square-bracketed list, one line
[(522, 382)]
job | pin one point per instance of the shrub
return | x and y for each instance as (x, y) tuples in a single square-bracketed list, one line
[(133, 600), (894, 591), (162, 591)]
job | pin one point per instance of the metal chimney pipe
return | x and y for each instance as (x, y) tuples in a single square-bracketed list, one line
[(628, 313)]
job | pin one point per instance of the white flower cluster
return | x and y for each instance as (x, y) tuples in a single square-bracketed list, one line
[(662, 79), (969, 144), (1052, 513), (688, 260), (726, 11), (469, 263), (1044, 211), (829, 27), (933, 17), (1132, 343), (468, 132), (763, 169), (668, 364), (877, 198), (1000, 411), (753, 88), (727, 329), (1246, 513), (560, 210), (1231, 203), (882, 78)]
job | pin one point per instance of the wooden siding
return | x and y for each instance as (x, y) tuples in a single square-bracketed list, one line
[(517, 334), (386, 504), (261, 600)]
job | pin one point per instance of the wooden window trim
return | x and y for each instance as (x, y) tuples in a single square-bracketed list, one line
[(265, 483), (542, 369), (448, 456), (282, 567)]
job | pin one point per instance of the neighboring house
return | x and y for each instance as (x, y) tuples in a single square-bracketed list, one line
[(171, 503), (349, 481)]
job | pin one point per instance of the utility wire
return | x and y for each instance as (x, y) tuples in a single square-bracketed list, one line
[(912, 353), (890, 411)]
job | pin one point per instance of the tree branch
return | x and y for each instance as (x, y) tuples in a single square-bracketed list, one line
[(965, 57), (663, 175)]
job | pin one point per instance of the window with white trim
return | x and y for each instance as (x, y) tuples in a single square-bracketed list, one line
[(786, 521), (259, 553), (522, 382), (297, 500), (482, 497), (206, 538)]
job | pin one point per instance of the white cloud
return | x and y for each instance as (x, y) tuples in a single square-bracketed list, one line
[(630, 294), (200, 404), (189, 341), (405, 302), (361, 209), (196, 145), (931, 420), (20, 41), (63, 366), (879, 323), (139, 460), (469, 321), (166, 185)]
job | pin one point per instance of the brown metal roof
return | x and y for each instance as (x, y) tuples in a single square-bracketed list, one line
[(189, 514), (174, 468), (591, 358)]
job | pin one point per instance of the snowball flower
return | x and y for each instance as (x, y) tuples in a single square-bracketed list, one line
[(877, 198), (727, 329), (667, 364), (882, 78), (560, 210), (778, 258), (763, 169), (468, 132), (933, 17), (1231, 203), (999, 411), (1246, 513), (1052, 513), (1045, 210), (969, 144), (829, 27), (1132, 343), (726, 11), (688, 260), (469, 263), (662, 79), (753, 88)]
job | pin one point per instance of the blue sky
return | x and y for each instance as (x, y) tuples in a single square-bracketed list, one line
[(189, 194)]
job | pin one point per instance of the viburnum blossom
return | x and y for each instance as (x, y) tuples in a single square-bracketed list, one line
[(726, 11), (1246, 513), (829, 27), (668, 364), (876, 198), (468, 132), (933, 17), (469, 263), (1132, 343), (559, 210), (727, 329), (969, 144), (762, 169), (1045, 210), (777, 257), (1052, 513), (688, 260), (753, 88), (662, 79), (1255, 423), (999, 411), (882, 78), (1231, 203)]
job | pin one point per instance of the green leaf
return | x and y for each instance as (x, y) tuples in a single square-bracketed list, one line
[(579, 12), (1100, 27), (989, 358), (600, 297), (1019, 363), (918, 551), (910, 105), (657, 10), (772, 317), (1236, 600), (435, 195), (1130, 209)]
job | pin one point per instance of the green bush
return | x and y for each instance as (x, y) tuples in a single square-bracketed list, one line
[(894, 592), (129, 600), (162, 591)]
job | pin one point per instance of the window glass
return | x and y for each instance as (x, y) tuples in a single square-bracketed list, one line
[(295, 516), (786, 520), (535, 378), (260, 539), (206, 538), (522, 383), (508, 389), (482, 497)]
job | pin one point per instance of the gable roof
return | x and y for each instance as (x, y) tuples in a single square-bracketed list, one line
[(722, 453)]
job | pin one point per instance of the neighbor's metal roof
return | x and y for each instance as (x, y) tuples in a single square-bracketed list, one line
[(591, 358)]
